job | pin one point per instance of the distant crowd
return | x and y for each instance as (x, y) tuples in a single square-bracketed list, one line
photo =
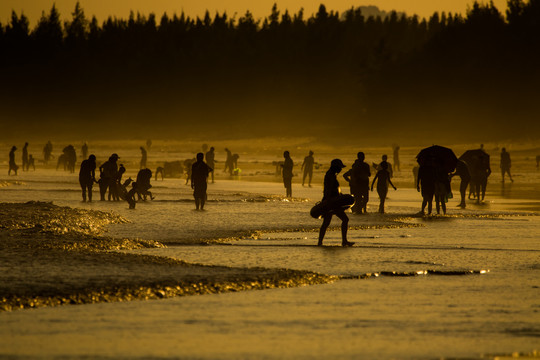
[(436, 167)]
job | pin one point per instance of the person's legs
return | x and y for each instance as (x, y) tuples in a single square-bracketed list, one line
[(326, 221), (430, 203), (197, 203), (83, 187), (89, 186), (344, 228), (437, 203), (463, 192)]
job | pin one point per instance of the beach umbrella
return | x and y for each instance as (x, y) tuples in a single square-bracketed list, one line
[(475, 158), (441, 155)]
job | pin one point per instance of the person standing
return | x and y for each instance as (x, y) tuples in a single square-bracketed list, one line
[(358, 178), (84, 150), (25, 157), (144, 157), (87, 176), (382, 185), (12, 165), (287, 173), (506, 164), (332, 191), (199, 181), (307, 166), (211, 160), (229, 162), (462, 170), (47, 151), (395, 149), (109, 172)]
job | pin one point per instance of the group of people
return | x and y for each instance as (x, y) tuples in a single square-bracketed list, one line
[(111, 179)]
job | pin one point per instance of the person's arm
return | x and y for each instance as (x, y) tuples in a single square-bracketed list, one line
[(373, 182), (418, 181), (390, 182), (347, 176)]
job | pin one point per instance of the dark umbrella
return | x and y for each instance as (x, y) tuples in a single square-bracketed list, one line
[(475, 158), (441, 156)]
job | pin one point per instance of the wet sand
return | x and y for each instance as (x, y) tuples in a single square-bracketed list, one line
[(53, 255)]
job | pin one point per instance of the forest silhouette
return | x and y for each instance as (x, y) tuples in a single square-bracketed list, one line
[(360, 74)]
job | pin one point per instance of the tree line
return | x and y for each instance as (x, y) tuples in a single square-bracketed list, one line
[(354, 66)]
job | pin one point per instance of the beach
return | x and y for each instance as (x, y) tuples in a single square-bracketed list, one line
[(99, 280)]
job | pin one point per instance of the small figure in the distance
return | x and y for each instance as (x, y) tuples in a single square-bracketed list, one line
[(84, 150), (506, 164), (287, 173), (307, 166), (25, 157), (12, 165), (382, 185), (144, 157), (31, 162), (395, 150), (331, 190)]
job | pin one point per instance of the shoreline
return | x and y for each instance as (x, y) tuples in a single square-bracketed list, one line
[(58, 255)]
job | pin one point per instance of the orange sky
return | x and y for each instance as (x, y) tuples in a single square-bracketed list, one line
[(260, 8)]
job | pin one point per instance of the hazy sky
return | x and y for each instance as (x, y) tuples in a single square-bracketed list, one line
[(260, 8)]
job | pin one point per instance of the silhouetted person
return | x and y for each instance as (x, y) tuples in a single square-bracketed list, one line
[(383, 176), (84, 150), (70, 158), (87, 176), (229, 162), (199, 181), (395, 149), (143, 184), (480, 172), (331, 190), (130, 196), (211, 160), (31, 162), (388, 166), (25, 157), (506, 164), (426, 180), (188, 166), (358, 178), (118, 187), (144, 157), (462, 170), (287, 173), (307, 166), (47, 151), (12, 165), (108, 172)]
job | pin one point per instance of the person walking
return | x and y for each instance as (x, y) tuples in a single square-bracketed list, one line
[(332, 191)]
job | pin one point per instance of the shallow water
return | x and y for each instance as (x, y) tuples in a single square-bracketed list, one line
[(385, 317)]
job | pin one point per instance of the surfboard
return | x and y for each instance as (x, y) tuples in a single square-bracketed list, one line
[(343, 201)]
